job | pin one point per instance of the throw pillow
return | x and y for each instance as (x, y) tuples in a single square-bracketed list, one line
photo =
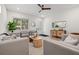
[(71, 40)]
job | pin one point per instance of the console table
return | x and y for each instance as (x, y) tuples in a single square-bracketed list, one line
[(57, 33)]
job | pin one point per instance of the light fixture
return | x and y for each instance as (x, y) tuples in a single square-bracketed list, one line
[(0, 9)]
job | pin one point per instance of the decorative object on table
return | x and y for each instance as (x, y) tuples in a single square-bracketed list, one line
[(32, 34), (53, 25), (11, 26), (56, 26)]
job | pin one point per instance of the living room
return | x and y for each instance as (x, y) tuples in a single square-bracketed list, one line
[(36, 20)]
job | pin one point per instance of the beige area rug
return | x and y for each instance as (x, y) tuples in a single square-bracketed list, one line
[(35, 51)]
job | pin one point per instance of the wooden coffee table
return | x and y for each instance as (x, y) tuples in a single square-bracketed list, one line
[(37, 42)]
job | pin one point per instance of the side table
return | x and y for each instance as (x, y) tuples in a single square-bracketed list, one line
[(37, 42)]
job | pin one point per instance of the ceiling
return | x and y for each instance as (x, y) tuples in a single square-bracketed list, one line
[(23, 8), (34, 8)]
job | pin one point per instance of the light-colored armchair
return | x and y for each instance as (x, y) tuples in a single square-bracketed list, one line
[(18, 47), (54, 49)]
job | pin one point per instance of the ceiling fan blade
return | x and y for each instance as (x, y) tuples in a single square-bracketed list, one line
[(46, 8), (42, 6), (39, 5)]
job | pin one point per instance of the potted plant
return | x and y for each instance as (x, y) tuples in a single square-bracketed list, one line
[(11, 26), (56, 27)]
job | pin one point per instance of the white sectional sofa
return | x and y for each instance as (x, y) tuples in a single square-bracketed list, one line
[(53, 47), (14, 47)]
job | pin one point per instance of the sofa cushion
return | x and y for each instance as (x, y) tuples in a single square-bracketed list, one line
[(64, 37), (71, 40)]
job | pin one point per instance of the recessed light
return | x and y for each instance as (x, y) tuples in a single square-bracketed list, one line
[(18, 8)]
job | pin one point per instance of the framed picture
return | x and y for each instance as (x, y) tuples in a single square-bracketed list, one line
[(59, 24)]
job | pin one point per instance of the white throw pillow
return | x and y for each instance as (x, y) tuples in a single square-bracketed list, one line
[(71, 40), (1, 37)]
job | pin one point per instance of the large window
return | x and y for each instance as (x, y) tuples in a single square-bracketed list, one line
[(21, 23)]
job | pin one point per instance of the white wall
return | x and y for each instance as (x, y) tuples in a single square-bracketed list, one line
[(72, 17), (47, 25), (12, 15), (70, 13), (3, 19), (31, 18)]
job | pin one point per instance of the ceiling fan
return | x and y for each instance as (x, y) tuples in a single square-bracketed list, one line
[(43, 7)]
